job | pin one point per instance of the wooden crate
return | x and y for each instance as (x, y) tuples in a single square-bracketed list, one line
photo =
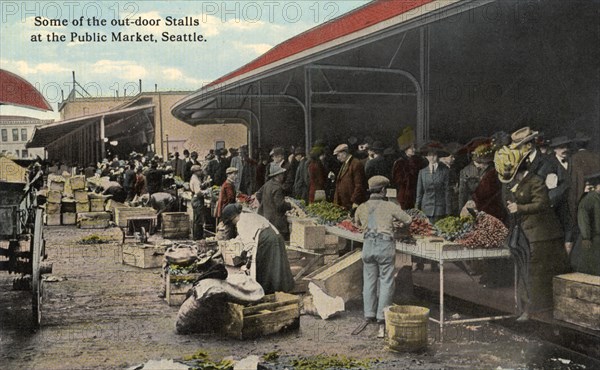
[(143, 255), (93, 220), (230, 249), (273, 313), (53, 219), (302, 263), (58, 186), (111, 205), (69, 218), (96, 204), (82, 207), (178, 287), (175, 225), (80, 196), (68, 206), (343, 277), (307, 235), (54, 196), (123, 214), (53, 208), (577, 299), (77, 183)]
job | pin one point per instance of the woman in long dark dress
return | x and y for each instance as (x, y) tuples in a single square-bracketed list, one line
[(529, 206)]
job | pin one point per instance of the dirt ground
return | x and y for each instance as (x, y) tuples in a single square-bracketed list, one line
[(106, 315)]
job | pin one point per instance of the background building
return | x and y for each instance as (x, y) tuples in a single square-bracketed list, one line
[(15, 132)]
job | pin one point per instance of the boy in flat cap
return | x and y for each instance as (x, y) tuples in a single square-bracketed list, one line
[(376, 218)]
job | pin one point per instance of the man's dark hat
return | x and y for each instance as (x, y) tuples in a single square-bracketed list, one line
[(560, 141)]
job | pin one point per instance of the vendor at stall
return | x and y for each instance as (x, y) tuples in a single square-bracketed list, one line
[(376, 218), (273, 205), (265, 246)]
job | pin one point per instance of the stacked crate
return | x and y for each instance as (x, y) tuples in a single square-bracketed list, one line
[(56, 186)]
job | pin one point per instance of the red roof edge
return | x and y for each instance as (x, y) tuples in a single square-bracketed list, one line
[(356, 20), (14, 90)]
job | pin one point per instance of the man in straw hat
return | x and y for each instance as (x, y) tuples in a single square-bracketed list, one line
[(273, 205), (269, 263), (524, 139), (376, 218), (227, 193), (350, 182)]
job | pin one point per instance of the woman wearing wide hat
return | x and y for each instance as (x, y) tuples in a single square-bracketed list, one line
[(543, 256)]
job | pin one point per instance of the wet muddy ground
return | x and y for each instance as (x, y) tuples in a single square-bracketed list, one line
[(106, 315)]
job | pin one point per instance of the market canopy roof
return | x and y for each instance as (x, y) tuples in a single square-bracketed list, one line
[(115, 123), (14, 90), (340, 64)]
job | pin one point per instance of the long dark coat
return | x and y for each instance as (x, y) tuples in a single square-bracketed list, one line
[(583, 163), (545, 236), (351, 185), (273, 205), (317, 178), (405, 174), (583, 260), (488, 195), (559, 196)]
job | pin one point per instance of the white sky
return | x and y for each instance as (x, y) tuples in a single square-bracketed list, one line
[(236, 32)]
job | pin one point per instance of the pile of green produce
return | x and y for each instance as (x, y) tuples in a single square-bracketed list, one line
[(453, 227), (327, 213), (202, 361), (93, 239), (329, 362)]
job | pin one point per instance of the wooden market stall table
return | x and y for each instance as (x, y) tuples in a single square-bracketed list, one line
[(441, 251)]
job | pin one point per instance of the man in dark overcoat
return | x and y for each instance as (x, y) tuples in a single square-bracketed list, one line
[(273, 205), (351, 183)]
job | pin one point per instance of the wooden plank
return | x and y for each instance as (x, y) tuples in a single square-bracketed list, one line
[(342, 278), (578, 312), (576, 290)]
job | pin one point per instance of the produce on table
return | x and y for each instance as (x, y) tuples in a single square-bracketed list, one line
[(298, 207), (452, 227), (420, 224), (327, 213), (347, 224), (487, 232)]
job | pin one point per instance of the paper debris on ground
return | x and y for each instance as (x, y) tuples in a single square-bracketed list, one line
[(325, 305)]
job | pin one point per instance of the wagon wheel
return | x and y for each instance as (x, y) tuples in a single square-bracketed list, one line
[(36, 277)]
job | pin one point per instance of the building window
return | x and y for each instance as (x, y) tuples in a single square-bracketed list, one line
[(17, 153), (15, 134), (24, 153), (4, 135), (23, 134)]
